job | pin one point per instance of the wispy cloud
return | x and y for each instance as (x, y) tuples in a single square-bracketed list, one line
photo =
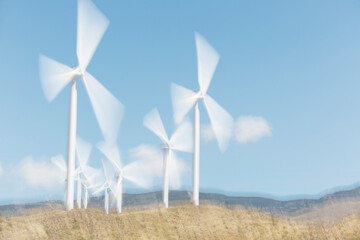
[(251, 129), (39, 172), (1, 170)]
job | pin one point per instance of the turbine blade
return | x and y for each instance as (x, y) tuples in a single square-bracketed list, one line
[(108, 110), (59, 161), (90, 174), (83, 150), (208, 59), (221, 121), (109, 172), (182, 139), (112, 152), (54, 76), (100, 189), (154, 123), (91, 27), (183, 100)]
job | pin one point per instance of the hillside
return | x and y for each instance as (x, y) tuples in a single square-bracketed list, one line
[(328, 208), (180, 222)]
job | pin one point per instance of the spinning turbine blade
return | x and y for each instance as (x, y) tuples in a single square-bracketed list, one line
[(183, 100), (207, 59), (59, 161), (111, 151), (90, 174), (100, 189), (153, 122), (54, 76), (108, 110), (182, 139), (106, 173), (91, 27), (221, 122), (83, 150)]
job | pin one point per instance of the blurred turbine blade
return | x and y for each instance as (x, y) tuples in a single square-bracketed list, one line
[(221, 122), (54, 76), (154, 123), (111, 151), (182, 139), (108, 110), (83, 150), (208, 59), (91, 27), (100, 189), (59, 161), (105, 171), (90, 175), (109, 172), (183, 100)]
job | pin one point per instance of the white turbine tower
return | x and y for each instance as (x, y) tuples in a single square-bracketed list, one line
[(137, 172), (179, 141), (184, 99), (55, 76)]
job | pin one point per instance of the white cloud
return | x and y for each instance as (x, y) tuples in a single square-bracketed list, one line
[(39, 172), (1, 170), (251, 129)]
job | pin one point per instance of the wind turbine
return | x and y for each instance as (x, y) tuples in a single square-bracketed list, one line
[(84, 173), (137, 172), (55, 76), (106, 186), (184, 99), (179, 141)]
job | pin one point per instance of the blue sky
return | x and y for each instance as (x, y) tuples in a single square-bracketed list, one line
[(293, 63)]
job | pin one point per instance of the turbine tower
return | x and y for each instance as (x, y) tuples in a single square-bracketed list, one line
[(184, 99), (179, 141), (55, 76)]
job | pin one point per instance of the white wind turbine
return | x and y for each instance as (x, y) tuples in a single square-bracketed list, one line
[(85, 174), (55, 76), (179, 141), (137, 172), (184, 99), (109, 175)]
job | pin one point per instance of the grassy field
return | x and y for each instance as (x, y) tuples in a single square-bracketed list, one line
[(180, 222)]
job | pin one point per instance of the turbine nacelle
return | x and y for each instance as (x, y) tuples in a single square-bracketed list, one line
[(79, 72)]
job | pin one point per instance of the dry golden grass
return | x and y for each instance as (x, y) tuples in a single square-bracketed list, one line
[(180, 222)]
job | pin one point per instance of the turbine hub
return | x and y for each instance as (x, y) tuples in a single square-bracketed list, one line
[(200, 95), (79, 72)]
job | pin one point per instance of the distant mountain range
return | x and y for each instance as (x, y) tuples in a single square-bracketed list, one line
[(330, 206)]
